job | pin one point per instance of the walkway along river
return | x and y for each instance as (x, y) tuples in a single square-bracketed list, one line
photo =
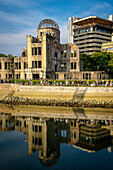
[(57, 96)]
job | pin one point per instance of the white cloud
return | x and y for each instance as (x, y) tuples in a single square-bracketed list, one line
[(11, 43), (98, 9), (25, 19)]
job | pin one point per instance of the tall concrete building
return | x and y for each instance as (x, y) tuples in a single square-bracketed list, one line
[(89, 33), (70, 28)]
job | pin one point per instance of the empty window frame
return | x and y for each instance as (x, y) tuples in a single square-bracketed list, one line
[(73, 65), (39, 51), (39, 64), (0, 65)]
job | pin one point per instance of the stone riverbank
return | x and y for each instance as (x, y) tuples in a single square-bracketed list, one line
[(57, 96), (64, 103)]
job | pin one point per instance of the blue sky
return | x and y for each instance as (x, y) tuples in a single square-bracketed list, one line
[(19, 18)]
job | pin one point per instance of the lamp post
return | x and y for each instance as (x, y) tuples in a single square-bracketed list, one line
[(108, 73), (97, 73)]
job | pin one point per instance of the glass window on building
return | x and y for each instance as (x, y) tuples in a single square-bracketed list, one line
[(75, 32), (88, 29), (39, 51), (82, 30), (0, 65), (99, 29), (109, 49), (105, 31)]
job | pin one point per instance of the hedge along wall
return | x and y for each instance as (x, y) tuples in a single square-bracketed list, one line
[(51, 82)]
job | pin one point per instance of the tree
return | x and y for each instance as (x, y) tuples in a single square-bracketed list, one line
[(98, 61), (10, 55), (3, 55), (87, 62)]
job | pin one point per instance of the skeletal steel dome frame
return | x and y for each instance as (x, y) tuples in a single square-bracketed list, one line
[(48, 23)]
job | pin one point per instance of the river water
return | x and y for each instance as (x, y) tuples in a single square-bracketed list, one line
[(43, 142)]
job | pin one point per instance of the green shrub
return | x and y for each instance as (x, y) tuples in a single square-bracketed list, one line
[(35, 81), (20, 81)]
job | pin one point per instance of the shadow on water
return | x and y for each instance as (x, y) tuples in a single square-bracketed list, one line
[(79, 96)]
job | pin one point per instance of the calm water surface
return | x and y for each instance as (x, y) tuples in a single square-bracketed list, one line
[(40, 143)]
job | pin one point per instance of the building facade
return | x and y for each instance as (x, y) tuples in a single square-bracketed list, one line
[(45, 58), (107, 47), (89, 33)]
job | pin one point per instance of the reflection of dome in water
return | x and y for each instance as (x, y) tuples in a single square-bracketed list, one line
[(48, 23), (49, 163)]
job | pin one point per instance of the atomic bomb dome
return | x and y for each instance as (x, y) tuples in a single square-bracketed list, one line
[(49, 27), (48, 23)]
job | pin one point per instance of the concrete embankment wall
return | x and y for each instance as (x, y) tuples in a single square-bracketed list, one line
[(64, 93), (64, 89)]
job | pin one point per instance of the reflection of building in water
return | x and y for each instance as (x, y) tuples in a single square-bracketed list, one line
[(6, 123), (42, 136), (92, 137), (46, 135)]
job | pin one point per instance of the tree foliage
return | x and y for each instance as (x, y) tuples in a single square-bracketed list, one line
[(98, 61), (9, 55)]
